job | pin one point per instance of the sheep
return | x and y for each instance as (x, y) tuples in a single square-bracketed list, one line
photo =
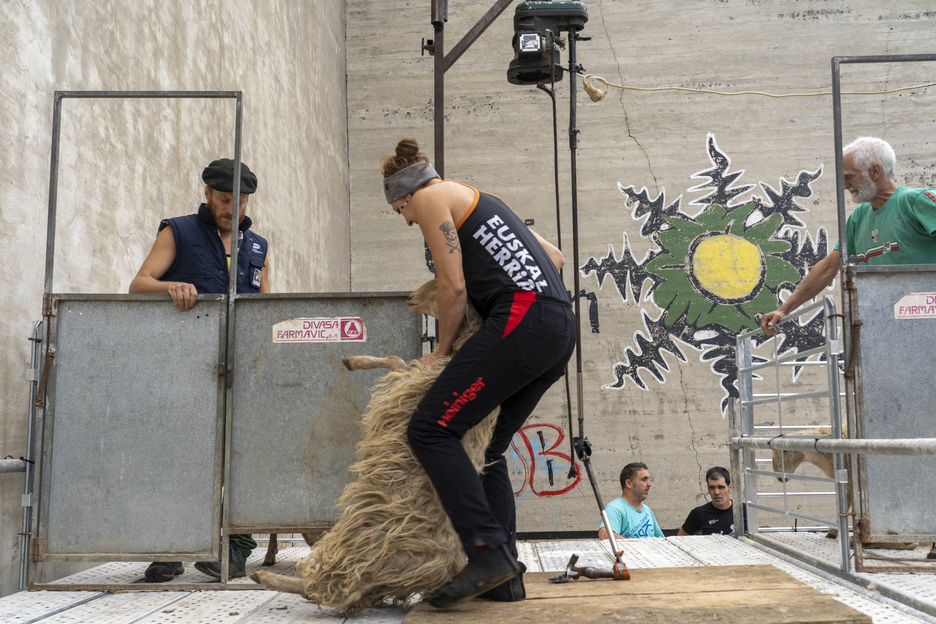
[(824, 461), (273, 547), (392, 539), (792, 459)]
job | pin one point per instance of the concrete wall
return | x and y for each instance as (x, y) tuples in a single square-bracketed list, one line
[(125, 164), (658, 321)]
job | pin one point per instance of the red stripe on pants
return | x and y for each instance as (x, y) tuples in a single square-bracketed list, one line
[(521, 303)]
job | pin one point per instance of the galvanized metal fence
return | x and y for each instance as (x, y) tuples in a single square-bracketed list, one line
[(747, 431)]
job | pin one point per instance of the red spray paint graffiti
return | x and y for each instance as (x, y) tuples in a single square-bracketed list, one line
[(541, 464)]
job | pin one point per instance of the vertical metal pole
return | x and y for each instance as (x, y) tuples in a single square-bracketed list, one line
[(551, 91), (229, 356), (737, 470), (746, 417), (53, 188), (28, 489), (573, 141), (49, 265), (851, 409), (839, 166), (835, 411), (439, 16), (235, 208)]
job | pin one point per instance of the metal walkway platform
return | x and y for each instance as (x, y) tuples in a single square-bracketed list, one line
[(883, 603)]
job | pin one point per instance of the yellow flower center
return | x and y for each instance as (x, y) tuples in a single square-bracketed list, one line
[(727, 266)]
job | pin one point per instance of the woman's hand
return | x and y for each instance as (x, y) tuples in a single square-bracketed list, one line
[(430, 358)]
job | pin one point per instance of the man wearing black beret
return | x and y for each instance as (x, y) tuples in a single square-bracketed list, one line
[(191, 255)]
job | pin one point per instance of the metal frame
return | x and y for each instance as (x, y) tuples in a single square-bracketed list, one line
[(443, 62), (438, 17), (745, 440), (227, 447), (45, 432), (307, 299), (47, 307), (852, 396)]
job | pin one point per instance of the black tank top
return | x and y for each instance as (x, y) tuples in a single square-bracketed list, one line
[(500, 255)]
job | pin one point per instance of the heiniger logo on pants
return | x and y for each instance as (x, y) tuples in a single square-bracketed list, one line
[(463, 399)]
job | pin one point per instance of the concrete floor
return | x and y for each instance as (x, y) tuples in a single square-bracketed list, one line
[(886, 603)]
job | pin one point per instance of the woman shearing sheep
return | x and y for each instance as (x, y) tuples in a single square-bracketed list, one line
[(482, 251)]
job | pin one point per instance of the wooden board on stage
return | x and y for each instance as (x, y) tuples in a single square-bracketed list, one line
[(748, 594)]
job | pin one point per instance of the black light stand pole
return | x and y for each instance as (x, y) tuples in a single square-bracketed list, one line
[(573, 140), (551, 91)]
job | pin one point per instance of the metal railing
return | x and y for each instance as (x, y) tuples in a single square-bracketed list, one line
[(745, 437)]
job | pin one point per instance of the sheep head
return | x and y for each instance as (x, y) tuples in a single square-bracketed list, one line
[(425, 299), (791, 460)]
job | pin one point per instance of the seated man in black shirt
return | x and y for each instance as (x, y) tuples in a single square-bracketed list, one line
[(716, 517)]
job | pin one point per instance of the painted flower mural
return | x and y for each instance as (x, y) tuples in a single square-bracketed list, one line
[(710, 273), (717, 271)]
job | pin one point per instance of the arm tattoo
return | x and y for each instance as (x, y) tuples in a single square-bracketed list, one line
[(451, 236)]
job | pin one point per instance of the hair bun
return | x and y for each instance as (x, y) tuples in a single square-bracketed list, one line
[(408, 149), (407, 153)]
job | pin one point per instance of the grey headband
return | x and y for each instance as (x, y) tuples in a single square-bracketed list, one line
[(407, 180)]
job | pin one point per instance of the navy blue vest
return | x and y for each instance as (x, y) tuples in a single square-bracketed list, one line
[(200, 259)]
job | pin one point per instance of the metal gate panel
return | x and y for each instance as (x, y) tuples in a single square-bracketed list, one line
[(132, 438), (898, 394), (297, 409)]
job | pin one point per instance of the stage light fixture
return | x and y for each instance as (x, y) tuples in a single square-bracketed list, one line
[(536, 40)]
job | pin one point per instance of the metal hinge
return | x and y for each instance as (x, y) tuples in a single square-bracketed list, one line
[(32, 374), (48, 304), (27, 500), (37, 549)]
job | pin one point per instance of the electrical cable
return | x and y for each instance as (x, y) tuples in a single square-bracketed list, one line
[(596, 94)]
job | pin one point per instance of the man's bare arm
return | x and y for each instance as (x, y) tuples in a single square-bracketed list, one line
[(160, 258), (818, 278)]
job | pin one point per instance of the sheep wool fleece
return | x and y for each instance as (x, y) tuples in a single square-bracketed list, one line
[(522, 348)]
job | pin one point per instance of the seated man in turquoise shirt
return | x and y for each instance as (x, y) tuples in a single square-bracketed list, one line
[(628, 516)]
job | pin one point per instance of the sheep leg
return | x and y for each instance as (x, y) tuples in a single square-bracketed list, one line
[(272, 549), (366, 362), (280, 583)]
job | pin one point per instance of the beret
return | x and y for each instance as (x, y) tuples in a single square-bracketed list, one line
[(219, 175)]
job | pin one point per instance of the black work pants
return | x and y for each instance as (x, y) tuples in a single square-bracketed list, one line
[(520, 351)]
